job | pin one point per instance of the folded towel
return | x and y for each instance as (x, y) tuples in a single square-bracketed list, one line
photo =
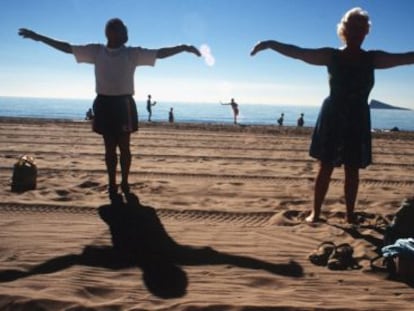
[(401, 247)]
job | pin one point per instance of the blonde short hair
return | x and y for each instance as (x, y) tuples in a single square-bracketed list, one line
[(355, 13)]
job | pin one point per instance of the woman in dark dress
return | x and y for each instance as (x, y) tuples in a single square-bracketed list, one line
[(342, 134)]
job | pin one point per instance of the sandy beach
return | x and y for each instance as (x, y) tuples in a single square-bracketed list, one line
[(215, 222)]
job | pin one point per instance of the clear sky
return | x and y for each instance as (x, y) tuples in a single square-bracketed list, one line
[(230, 28)]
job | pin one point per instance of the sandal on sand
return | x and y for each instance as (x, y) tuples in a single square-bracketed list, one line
[(322, 253), (342, 258), (383, 264)]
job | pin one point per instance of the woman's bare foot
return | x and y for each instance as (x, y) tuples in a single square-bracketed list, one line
[(312, 218)]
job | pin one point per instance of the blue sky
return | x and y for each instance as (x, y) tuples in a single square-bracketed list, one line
[(229, 27)]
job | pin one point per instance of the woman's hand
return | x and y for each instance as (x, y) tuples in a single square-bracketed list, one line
[(26, 33), (192, 49), (260, 46)]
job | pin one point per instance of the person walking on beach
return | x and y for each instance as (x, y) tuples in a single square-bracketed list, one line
[(301, 121), (149, 107), (235, 108), (89, 114), (115, 112), (171, 115), (280, 120), (342, 134)]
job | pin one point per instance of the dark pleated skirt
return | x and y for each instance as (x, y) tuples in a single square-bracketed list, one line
[(114, 115)]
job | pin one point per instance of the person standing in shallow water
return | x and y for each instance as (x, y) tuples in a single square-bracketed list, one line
[(301, 121), (281, 119), (342, 134), (171, 115), (149, 107), (115, 112), (235, 108)]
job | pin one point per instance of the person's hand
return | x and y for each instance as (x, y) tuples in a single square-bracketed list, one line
[(26, 33), (258, 47), (193, 49)]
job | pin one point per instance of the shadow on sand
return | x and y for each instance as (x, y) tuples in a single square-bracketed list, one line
[(139, 239)]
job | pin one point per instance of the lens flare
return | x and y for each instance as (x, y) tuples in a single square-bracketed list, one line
[(207, 55)]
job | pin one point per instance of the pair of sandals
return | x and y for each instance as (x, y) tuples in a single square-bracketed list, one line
[(335, 257)]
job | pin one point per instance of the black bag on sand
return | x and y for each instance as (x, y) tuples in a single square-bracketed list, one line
[(24, 174), (403, 223), (402, 227)]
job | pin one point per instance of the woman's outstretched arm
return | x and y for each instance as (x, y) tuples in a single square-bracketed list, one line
[(59, 45), (170, 51), (383, 60), (320, 56)]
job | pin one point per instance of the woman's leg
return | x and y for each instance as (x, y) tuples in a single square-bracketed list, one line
[(125, 160), (111, 161), (321, 188), (351, 191)]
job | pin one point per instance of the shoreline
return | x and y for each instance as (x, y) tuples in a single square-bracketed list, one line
[(215, 127)]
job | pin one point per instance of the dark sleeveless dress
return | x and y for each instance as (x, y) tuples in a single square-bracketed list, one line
[(342, 133)]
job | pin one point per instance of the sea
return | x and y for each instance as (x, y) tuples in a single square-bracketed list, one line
[(250, 114)]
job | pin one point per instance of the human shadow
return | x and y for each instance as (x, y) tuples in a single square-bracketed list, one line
[(139, 239)]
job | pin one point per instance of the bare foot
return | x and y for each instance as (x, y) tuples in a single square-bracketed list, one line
[(312, 218)]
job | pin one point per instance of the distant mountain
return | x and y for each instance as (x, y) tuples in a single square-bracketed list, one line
[(375, 104)]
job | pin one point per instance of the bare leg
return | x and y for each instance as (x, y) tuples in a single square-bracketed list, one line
[(111, 161), (125, 160), (321, 188), (351, 191)]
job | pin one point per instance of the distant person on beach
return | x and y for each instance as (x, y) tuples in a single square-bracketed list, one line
[(301, 121), (280, 120), (115, 112), (342, 133), (171, 115), (235, 108), (89, 114), (149, 107)]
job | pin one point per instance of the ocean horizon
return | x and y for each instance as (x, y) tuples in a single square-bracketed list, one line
[(250, 114)]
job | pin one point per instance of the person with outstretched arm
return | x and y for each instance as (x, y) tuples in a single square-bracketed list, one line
[(235, 108), (342, 134), (115, 112)]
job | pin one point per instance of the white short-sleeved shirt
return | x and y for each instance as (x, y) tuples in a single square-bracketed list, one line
[(114, 68)]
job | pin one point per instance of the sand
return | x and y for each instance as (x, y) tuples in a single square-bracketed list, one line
[(219, 224)]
